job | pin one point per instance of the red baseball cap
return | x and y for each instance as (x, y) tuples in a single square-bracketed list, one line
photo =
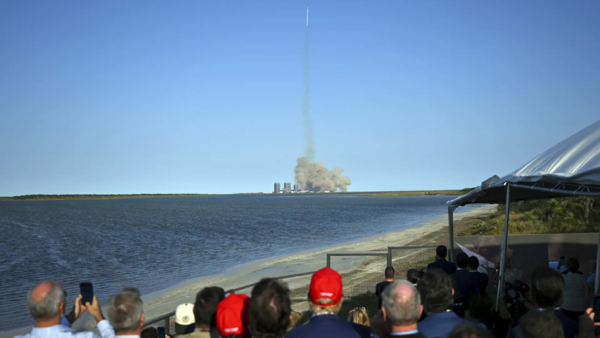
[(232, 315), (326, 283)]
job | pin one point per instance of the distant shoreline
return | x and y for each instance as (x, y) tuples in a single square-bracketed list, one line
[(41, 197)]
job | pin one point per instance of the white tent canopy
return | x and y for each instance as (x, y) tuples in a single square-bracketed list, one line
[(570, 168)]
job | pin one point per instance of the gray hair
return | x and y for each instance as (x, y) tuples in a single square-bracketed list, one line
[(401, 307), (49, 307), (125, 311)]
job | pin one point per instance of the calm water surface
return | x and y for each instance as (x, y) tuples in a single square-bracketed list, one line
[(155, 243)]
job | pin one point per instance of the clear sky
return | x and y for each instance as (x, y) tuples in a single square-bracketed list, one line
[(206, 96)]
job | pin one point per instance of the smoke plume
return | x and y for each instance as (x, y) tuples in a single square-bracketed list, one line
[(309, 175), (313, 176)]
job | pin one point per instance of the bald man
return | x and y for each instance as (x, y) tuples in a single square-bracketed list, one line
[(46, 303), (400, 311)]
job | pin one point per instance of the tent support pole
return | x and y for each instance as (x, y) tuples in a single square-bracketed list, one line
[(451, 234), (597, 280), (504, 249)]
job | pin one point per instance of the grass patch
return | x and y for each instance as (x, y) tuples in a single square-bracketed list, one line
[(564, 215)]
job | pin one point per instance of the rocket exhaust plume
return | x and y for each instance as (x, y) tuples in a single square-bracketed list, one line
[(310, 175)]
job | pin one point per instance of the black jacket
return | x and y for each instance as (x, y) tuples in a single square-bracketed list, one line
[(329, 326), (465, 284), (443, 264)]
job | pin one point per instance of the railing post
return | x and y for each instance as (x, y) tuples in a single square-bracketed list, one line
[(328, 261), (167, 325), (504, 249), (451, 234), (389, 256)]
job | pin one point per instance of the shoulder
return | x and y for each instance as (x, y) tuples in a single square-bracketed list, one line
[(363, 331)]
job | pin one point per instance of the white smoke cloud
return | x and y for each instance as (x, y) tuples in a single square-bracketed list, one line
[(314, 176)]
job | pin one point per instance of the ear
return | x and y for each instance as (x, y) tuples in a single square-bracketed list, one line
[(420, 311), (384, 314), (142, 320), (452, 292), (290, 318), (61, 308)]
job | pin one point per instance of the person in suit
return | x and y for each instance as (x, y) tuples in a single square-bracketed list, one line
[(325, 298), (399, 313), (389, 279), (437, 297), (480, 280), (440, 261), (464, 278)]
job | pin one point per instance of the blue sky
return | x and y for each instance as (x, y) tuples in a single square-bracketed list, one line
[(206, 96)]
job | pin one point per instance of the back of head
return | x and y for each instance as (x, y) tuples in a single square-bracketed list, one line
[(125, 312), (462, 260), (232, 315), (412, 275), (402, 303), (469, 331), (547, 287), (572, 265), (149, 332), (541, 324), (205, 307), (270, 309), (389, 272), (435, 288), (359, 316), (45, 299), (473, 263), (325, 294), (441, 251), (185, 319)]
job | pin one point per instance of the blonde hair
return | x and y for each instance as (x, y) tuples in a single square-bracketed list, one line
[(359, 316), (316, 308), (298, 319)]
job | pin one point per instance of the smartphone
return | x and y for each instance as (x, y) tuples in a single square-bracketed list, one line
[(86, 290), (597, 309), (161, 332)]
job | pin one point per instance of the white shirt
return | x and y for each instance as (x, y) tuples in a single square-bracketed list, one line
[(63, 331)]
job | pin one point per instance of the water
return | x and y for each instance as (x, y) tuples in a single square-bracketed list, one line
[(155, 243)]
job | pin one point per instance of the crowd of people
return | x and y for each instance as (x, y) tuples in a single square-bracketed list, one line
[(448, 300)]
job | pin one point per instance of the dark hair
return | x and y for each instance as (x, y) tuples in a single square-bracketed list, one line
[(469, 331), (389, 272), (436, 291), (270, 309), (149, 332), (572, 264), (541, 324), (473, 263), (441, 251), (412, 276), (205, 307), (462, 260), (547, 287)]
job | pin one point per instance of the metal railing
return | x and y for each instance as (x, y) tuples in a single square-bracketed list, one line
[(357, 281), (361, 279), (403, 258)]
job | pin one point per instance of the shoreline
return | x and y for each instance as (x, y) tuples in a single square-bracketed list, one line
[(81, 197), (433, 230)]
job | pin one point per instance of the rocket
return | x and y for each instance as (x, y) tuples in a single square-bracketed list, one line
[(306, 17)]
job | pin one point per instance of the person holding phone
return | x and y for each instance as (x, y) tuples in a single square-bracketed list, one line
[(46, 304)]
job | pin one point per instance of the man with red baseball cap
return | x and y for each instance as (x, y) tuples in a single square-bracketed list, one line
[(232, 316), (325, 297)]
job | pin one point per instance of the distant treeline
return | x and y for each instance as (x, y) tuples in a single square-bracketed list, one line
[(419, 193), (557, 215), (86, 197)]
